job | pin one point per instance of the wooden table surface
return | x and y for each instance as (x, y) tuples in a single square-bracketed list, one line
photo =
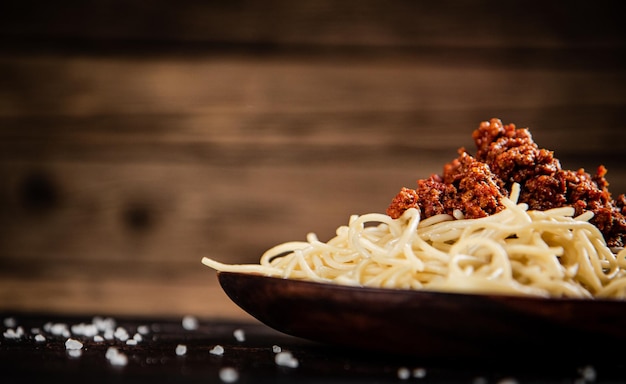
[(179, 349)]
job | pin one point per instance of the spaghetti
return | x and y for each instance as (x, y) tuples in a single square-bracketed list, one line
[(518, 251)]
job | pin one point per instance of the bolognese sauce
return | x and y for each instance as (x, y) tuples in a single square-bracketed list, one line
[(472, 186)]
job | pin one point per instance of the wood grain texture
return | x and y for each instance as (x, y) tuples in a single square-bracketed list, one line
[(149, 135)]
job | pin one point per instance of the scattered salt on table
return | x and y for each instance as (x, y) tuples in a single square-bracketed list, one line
[(403, 373), (286, 359), (57, 329), (13, 333), (103, 324), (181, 349), (74, 352), (419, 373), (83, 329), (217, 350), (73, 344), (239, 335), (588, 373), (115, 357), (229, 375), (121, 334), (190, 323), (10, 322)]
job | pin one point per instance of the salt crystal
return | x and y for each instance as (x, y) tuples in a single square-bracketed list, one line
[(121, 334), (286, 359), (40, 338), (217, 350), (103, 323), (73, 344), (59, 329), (131, 342), (190, 323), (137, 337), (239, 335), (403, 373), (10, 322), (143, 329), (98, 339), (229, 375), (13, 333), (181, 349), (75, 352), (419, 373), (588, 373), (111, 351), (276, 349), (115, 357), (83, 329), (109, 334)]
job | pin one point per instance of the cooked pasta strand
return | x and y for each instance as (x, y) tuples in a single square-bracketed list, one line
[(515, 251)]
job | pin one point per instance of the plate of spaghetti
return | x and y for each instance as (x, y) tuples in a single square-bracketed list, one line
[(504, 251)]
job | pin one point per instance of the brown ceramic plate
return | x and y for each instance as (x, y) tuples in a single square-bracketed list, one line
[(429, 324)]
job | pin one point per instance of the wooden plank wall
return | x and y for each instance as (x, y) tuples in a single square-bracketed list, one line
[(137, 137)]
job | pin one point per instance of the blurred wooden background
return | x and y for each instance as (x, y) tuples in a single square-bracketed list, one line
[(137, 137)]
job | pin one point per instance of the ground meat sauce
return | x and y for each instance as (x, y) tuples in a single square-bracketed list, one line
[(474, 185)]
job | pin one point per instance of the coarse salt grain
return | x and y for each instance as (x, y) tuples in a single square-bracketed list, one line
[(103, 323), (403, 373), (40, 338), (121, 334), (190, 323), (13, 333), (131, 342), (98, 339), (286, 359), (143, 329), (137, 337), (229, 375), (82, 329), (588, 373), (276, 349), (115, 357), (111, 351), (73, 344), (59, 329), (181, 349), (217, 350), (239, 335), (419, 373), (74, 352), (108, 334), (10, 322)]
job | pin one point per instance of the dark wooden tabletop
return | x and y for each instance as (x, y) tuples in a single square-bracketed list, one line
[(179, 350)]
